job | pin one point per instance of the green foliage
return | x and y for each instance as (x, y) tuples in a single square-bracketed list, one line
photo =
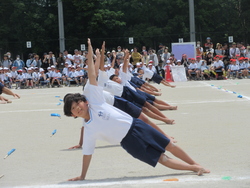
[(150, 22)]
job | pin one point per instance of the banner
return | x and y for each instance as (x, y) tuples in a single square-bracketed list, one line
[(179, 73)]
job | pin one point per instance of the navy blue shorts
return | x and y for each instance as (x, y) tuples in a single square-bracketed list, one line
[(133, 96), (157, 78), (134, 85), (137, 81), (144, 142), (127, 107), (1, 88), (149, 98)]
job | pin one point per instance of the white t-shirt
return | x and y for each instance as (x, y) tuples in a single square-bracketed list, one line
[(109, 98), (192, 66), (147, 73), (234, 67), (106, 122), (109, 85), (218, 64), (69, 56), (20, 77)]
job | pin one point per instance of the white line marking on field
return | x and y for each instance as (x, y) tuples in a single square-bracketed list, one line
[(136, 182), (201, 102), (38, 110)]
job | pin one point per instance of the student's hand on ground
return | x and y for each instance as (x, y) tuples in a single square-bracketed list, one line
[(76, 179), (76, 147), (16, 95)]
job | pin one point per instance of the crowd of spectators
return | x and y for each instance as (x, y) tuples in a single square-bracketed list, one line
[(212, 61)]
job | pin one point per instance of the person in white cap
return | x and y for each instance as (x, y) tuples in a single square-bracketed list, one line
[(21, 79), (29, 79), (42, 78)]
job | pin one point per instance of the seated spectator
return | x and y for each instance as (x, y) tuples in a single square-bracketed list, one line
[(7, 81), (29, 79), (233, 69), (73, 76), (56, 76), (243, 71), (35, 76), (218, 65), (43, 78), (81, 75), (21, 79), (192, 68), (13, 74), (205, 70)]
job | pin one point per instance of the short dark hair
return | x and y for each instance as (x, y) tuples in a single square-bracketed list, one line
[(69, 99), (112, 76), (138, 70)]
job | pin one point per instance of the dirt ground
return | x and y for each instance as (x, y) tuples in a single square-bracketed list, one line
[(211, 126)]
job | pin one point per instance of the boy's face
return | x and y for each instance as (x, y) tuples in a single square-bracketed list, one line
[(117, 79), (80, 109)]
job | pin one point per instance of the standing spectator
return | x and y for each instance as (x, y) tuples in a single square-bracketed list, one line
[(45, 62), (226, 54), (76, 58), (209, 42), (218, 50), (51, 59), (120, 54), (37, 61), (154, 58), (60, 62), (209, 48), (136, 56), (199, 49), (242, 49), (31, 61), (164, 57), (234, 51), (6, 62), (18, 63), (68, 57), (159, 54)]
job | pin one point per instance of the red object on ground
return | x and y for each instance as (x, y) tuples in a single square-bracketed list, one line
[(168, 76)]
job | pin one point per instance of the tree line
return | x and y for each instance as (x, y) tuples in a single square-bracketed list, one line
[(149, 22)]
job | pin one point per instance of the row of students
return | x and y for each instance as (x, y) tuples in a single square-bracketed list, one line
[(106, 122)]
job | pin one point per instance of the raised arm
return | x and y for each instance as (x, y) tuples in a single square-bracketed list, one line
[(97, 61), (91, 66), (102, 57), (126, 61), (113, 61)]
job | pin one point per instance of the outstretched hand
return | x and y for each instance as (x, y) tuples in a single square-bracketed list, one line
[(16, 95)]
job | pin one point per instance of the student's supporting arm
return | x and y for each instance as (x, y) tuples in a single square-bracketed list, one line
[(126, 61), (102, 57), (85, 165), (91, 66), (9, 92)]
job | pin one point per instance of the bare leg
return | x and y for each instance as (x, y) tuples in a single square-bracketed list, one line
[(157, 117), (151, 86), (164, 107), (178, 165), (150, 92), (164, 82)]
